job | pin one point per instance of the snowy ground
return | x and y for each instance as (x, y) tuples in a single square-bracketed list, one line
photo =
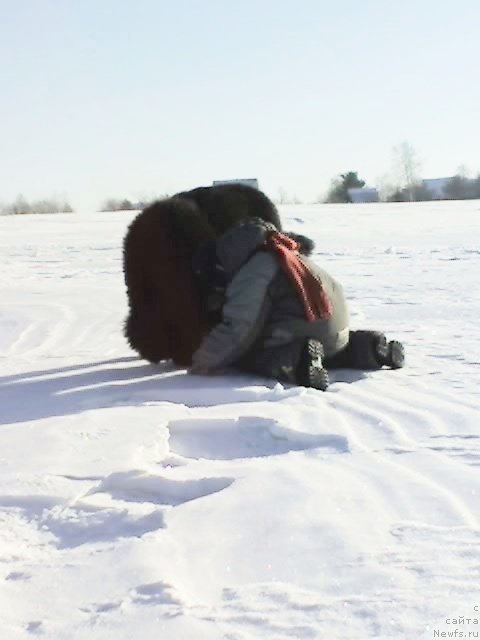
[(137, 502)]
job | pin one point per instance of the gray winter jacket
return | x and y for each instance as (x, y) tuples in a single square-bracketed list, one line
[(261, 302)]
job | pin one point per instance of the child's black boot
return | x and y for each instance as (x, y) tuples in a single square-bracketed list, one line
[(371, 350), (391, 354), (310, 370)]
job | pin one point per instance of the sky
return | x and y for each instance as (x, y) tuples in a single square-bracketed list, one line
[(114, 98)]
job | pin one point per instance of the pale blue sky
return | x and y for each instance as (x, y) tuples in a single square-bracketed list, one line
[(132, 98)]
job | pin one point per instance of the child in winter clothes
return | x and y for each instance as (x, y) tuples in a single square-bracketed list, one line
[(282, 316)]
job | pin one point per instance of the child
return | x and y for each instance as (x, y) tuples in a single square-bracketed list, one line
[(282, 317)]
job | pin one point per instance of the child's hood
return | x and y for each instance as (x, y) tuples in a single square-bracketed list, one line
[(237, 245)]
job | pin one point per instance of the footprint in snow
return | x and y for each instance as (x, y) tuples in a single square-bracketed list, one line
[(156, 593), (35, 626), (245, 437), (151, 594), (80, 524), (76, 523), (18, 575), (102, 607), (139, 486)]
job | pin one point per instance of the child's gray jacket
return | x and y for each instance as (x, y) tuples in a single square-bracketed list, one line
[(261, 304)]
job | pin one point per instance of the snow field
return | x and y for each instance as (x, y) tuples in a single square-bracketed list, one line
[(137, 501)]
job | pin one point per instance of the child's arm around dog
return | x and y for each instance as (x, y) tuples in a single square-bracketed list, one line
[(247, 305)]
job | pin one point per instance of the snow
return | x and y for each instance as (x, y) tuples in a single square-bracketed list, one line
[(139, 502)]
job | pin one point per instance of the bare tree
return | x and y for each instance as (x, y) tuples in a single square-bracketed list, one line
[(285, 198), (407, 167), (458, 188), (282, 197), (117, 204)]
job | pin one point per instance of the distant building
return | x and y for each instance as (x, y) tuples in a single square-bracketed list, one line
[(250, 182), (363, 194), (436, 186)]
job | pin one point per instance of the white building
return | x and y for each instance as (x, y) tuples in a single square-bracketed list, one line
[(363, 194), (250, 182), (436, 186)]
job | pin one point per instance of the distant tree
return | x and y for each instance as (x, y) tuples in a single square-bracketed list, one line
[(116, 204), (340, 185), (282, 197), (285, 198), (21, 206), (126, 205), (407, 166), (475, 187), (51, 205), (417, 192), (420, 193), (458, 188), (67, 208)]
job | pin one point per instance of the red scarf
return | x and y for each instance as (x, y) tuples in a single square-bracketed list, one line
[(315, 300)]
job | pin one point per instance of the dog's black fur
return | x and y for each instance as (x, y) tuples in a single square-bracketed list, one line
[(226, 205)]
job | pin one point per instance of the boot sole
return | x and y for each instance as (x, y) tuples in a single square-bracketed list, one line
[(317, 375), (390, 354), (396, 355)]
